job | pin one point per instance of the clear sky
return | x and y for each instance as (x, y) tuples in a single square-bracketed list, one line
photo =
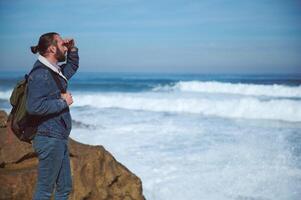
[(185, 36)]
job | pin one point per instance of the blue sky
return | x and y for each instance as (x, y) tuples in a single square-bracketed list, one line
[(170, 36)]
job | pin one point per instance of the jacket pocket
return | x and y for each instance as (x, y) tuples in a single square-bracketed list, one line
[(54, 95)]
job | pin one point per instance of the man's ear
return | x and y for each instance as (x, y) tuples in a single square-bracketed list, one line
[(52, 49)]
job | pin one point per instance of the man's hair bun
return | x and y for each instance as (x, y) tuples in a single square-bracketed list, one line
[(34, 49)]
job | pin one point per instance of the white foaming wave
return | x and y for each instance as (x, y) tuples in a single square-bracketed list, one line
[(248, 107), (233, 88)]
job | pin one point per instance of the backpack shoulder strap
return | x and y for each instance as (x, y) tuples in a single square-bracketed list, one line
[(58, 82)]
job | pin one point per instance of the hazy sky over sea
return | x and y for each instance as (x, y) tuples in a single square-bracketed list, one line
[(204, 36)]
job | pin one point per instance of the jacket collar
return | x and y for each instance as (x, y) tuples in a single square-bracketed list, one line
[(54, 68)]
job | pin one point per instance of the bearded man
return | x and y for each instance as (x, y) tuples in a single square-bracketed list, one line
[(50, 105)]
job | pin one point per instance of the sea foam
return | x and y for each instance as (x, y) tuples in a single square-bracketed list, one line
[(248, 107), (234, 88)]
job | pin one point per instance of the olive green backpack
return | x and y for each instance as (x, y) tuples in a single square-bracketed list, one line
[(20, 122)]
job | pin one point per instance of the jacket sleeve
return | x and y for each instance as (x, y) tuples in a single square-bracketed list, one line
[(37, 98), (71, 65)]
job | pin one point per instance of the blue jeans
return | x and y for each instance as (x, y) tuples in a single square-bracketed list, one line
[(54, 168)]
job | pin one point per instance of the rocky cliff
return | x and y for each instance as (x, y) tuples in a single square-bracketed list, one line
[(95, 172)]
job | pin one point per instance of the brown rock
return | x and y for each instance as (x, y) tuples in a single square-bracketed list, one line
[(3, 117), (95, 172)]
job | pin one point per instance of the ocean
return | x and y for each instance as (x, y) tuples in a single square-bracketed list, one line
[(189, 136)]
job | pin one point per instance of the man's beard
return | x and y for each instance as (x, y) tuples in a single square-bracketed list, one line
[(60, 56)]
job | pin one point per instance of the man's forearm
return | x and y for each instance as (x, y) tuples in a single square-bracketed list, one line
[(72, 64)]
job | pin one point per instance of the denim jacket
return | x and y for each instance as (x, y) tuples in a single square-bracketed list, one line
[(44, 98)]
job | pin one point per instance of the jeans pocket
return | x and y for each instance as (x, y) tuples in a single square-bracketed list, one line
[(40, 143)]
